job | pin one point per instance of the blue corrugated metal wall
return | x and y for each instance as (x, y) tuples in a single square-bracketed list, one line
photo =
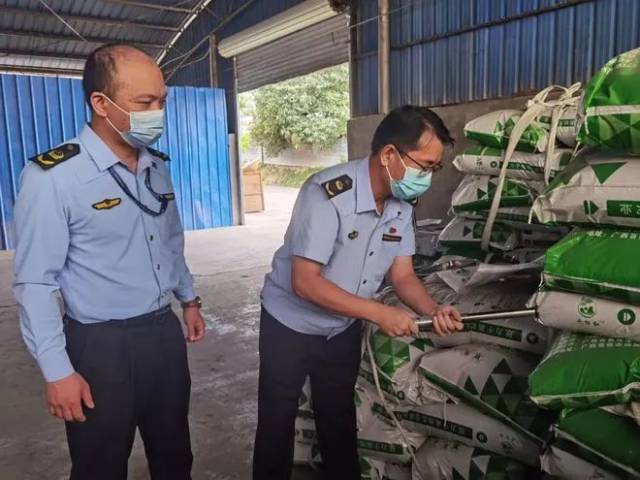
[(454, 51), (37, 113)]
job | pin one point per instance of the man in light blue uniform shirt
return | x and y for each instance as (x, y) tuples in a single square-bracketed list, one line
[(97, 222), (351, 226)]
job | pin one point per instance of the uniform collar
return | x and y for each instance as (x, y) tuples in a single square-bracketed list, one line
[(364, 193), (365, 202), (102, 155)]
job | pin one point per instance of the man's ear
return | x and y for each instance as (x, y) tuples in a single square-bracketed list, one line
[(386, 154), (98, 103)]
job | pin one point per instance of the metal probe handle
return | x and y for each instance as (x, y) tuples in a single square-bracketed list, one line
[(426, 323)]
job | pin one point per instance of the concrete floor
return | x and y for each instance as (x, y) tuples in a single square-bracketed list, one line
[(229, 265)]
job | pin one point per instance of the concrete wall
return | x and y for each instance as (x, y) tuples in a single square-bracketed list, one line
[(437, 201)]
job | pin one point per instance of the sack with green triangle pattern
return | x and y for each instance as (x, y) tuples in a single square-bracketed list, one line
[(396, 359), (475, 193), (482, 160), (519, 333), (494, 130), (490, 378), (612, 439), (596, 262), (306, 454), (464, 233), (567, 130), (582, 371), (596, 188), (461, 423), (561, 461), (373, 469), (587, 314), (610, 107), (448, 460)]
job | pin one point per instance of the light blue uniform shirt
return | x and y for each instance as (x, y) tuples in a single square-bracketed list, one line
[(107, 263), (355, 244)]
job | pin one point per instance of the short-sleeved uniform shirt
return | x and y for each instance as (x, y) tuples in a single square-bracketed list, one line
[(335, 223)]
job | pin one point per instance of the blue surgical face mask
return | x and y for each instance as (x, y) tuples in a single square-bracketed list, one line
[(145, 128), (413, 184)]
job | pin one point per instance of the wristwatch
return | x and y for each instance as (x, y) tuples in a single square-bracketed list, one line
[(195, 303)]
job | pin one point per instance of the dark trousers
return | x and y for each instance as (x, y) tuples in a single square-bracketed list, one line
[(139, 377), (286, 358)]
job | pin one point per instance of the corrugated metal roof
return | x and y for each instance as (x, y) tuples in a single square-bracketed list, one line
[(28, 28), (453, 51)]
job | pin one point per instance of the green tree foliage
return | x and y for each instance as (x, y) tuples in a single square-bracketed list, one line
[(305, 112)]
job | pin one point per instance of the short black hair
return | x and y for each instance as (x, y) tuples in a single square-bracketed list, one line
[(100, 68), (404, 126)]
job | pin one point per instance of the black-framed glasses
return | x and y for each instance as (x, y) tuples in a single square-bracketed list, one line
[(422, 168)]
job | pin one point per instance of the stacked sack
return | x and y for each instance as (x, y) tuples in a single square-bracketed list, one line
[(457, 405), (538, 157), (591, 288)]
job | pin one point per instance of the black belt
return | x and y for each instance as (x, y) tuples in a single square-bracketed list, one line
[(145, 320)]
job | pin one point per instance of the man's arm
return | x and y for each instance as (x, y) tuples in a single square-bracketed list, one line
[(184, 292), (41, 251), (414, 294)]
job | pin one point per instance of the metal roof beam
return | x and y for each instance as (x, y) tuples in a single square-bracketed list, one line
[(73, 38), (87, 19), (153, 6), (41, 70), (35, 53)]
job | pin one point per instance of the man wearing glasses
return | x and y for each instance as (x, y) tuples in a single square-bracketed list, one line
[(351, 226)]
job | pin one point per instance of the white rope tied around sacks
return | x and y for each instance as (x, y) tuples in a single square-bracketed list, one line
[(535, 107), (398, 425)]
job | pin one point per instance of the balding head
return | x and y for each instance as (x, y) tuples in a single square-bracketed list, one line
[(104, 66)]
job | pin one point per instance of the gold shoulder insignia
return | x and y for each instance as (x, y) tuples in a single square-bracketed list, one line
[(159, 154), (107, 203), (338, 185), (56, 156)]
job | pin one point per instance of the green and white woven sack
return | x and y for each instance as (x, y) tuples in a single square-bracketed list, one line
[(397, 359), (462, 423), (494, 130), (630, 410), (587, 314), (373, 469), (611, 106), (481, 160), (306, 454), (305, 430), (596, 262), (561, 461), (475, 193), (519, 333), (583, 371), (597, 188), (567, 130), (382, 441), (613, 439), (446, 460), (465, 233), (490, 378)]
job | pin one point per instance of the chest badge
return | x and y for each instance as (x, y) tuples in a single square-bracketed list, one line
[(353, 235), (107, 204)]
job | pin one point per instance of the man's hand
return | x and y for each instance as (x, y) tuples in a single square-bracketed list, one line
[(65, 398), (194, 323), (447, 320), (396, 322)]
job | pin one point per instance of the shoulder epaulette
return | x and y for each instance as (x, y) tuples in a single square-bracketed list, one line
[(158, 154), (338, 185), (56, 156)]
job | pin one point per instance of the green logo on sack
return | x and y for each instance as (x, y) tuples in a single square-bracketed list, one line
[(626, 316), (587, 307), (532, 338)]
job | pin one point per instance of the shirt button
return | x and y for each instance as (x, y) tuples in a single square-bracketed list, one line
[(364, 282), (370, 254), (158, 266), (151, 238)]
